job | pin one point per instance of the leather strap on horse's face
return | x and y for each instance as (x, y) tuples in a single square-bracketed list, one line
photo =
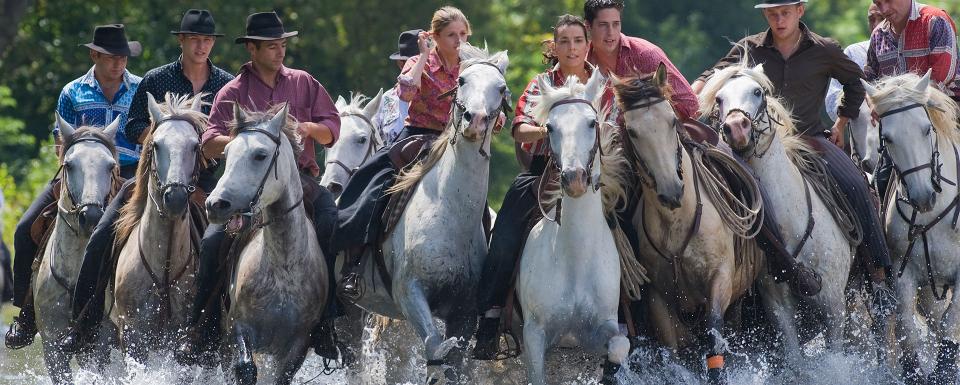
[(596, 144), (457, 109), (161, 185), (73, 201), (372, 144), (649, 179), (934, 165), (273, 164)]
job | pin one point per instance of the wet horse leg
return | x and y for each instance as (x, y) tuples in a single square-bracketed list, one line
[(244, 368), (906, 327), (618, 347), (782, 307), (833, 306), (721, 292), (946, 369), (292, 362), (414, 306), (460, 326), (58, 363), (534, 351)]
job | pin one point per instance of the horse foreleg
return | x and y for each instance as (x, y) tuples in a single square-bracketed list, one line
[(244, 368), (414, 306), (292, 362), (534, 351), (721, 293), (782, 307), (946, 369), (618, 347), (460, 326), (907, 329), (58, 363), (663, 320), (833, 306)]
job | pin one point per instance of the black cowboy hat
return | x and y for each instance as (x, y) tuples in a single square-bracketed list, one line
[(407, 45), (265, 26), (197, 22), (110, 39), (777, 3)]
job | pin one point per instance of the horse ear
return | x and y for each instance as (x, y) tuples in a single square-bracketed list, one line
[(924, 82), (502, 61), (870, 88), (198, 102), (341, 103), (153, 108), (759, 68), (660, 77), (544, 86), (65, 129), (595, 86), (110, 131), (373, 105), (277, 122), (239, 115)]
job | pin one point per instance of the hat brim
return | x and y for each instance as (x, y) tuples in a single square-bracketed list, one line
[(195, 33), (763, 6), (133, 49), (243, 39), (398, 56)]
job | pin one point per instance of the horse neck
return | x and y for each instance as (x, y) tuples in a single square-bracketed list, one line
[(68, 245), (582, 217), (164, 238), (460, 175), (287, 232), (781, 178)]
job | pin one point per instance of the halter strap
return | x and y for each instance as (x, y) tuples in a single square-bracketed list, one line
[(573, 101), (901, 109), (163, 187), (652, 102)]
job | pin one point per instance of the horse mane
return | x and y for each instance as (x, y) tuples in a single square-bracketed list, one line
[(780, 114), (256, 118), (355, 105), (894, 91), (631, 90), (175, 107), (469, 55)]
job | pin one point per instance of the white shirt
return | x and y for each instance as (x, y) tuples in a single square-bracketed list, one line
[(390, 115), (856, 52)]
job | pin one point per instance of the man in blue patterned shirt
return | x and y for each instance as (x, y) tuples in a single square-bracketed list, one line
[(94, 99)]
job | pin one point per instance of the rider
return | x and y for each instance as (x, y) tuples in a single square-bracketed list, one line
[(424, 82), (262, 83), (856, 52), (623, 56), (567, 56), (193, 73), (94, 99), (913, 38), (392, 112), (800, 64)]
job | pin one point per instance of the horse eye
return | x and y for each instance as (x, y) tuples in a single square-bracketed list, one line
[(461, 81), (503, 89), (757, 92), (718, 100), (549, 127), (362, 140), (593, 124), (68, 166), (260, 156)]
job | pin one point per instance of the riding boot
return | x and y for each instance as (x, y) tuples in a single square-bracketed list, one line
[(6, 291), (881, 175), (488, 339), (350, 284), (324, 340), (24, 327)]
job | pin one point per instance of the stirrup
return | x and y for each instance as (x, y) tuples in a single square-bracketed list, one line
[(19, 335), (351, 286)]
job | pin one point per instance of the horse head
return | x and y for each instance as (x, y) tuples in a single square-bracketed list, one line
[(915, 120), (481, 93), (359, 140), (741, 106), (259, 153), (865, 139), (89, 163), (652, 133), (570, 115), (172, 153)]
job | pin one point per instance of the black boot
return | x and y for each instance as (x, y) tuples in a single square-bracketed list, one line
[(946, 371), (23, 328), (78, 336), (610, 370), (350, 287), (804, 281), (324, 340), (488, 339)]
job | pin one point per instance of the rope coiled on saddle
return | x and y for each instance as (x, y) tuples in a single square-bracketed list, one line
[(814, 170), (740, 211)]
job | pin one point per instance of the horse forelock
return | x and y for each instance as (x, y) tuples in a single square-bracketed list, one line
[(256, 118), (470, 55), (897, 91), (544, 101), (633, 89), (355, 105), (87, 132)]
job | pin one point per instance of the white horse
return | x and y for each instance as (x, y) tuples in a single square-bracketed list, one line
[(435, 252), (154, 283), (864, 141), (359, 139), (569, 277), (758, 127), (278, 286), (90, 176), (920, 133), (690, 253)]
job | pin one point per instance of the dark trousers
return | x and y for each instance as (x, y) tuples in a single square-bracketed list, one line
[(857, 191), (881, 176), (24, 248), (213, 249), (509, 234), (363, 200), (6, 292)]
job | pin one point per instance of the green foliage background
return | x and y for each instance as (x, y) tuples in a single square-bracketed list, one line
[(345, 45)]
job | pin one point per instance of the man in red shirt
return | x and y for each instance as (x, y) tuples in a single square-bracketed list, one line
[(262, 83)]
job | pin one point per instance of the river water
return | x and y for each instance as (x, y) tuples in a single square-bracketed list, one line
[(394, 359)]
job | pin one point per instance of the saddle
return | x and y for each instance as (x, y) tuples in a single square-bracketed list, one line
[(405, 152), (701, 133)]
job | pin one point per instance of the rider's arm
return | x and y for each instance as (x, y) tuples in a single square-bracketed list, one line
[(217, 135), (732, 58), (324, 124)]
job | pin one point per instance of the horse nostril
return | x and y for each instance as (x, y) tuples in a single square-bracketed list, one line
[(220, 204), (335, 188)]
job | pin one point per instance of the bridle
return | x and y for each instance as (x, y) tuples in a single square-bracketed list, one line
[(254, 211), (162, 186), (646, 176), (75, 207), (935, 165), (593, 150), (762, 115), (458, 110), (372, 144)]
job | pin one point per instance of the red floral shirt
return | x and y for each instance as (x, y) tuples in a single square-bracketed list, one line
[(427, 110)]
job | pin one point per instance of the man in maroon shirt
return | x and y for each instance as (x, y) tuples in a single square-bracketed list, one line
[(261, 84)]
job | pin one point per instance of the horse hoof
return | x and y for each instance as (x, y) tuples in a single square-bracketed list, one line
[(246, 373), (609, 373), (441, 375)]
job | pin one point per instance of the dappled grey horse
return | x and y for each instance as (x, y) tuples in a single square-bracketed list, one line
[(435, 252), (154, 281), (89, 177), (278, 284), (359, 139)]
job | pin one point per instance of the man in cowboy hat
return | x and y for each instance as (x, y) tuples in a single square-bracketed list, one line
[(393, 111), (262, 83), (800, 65), (94, 99), (192, 73)]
